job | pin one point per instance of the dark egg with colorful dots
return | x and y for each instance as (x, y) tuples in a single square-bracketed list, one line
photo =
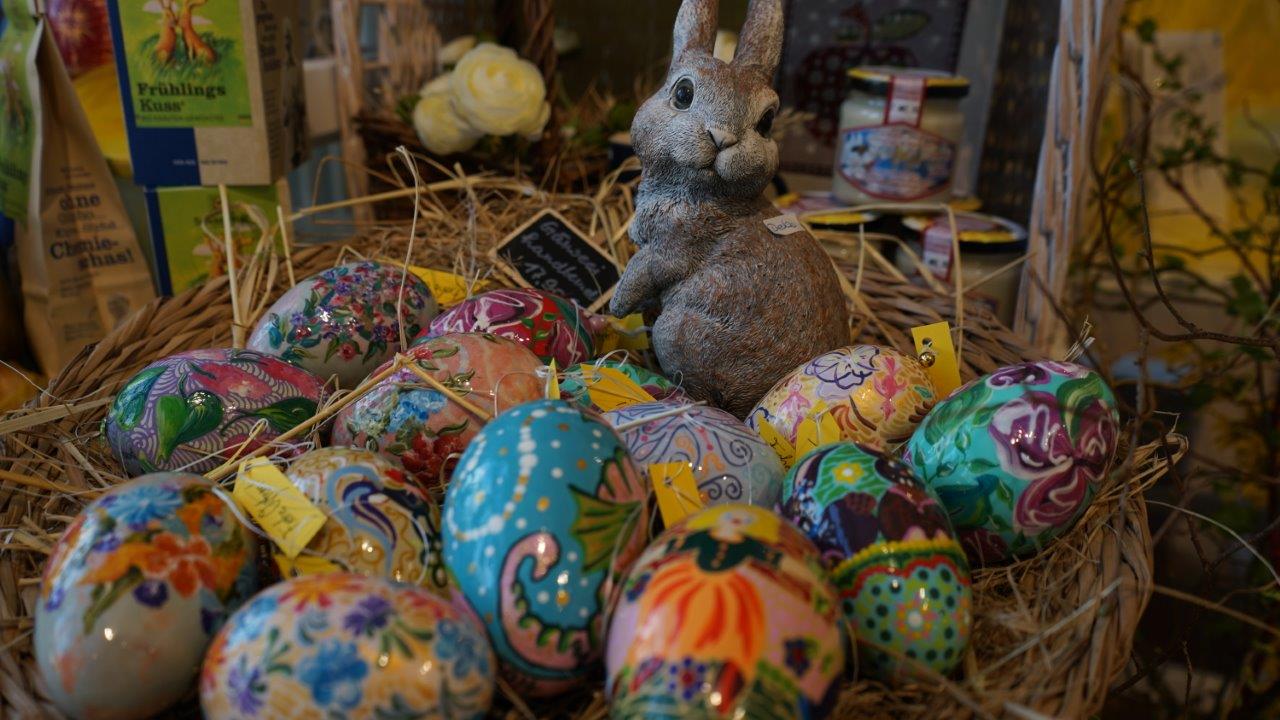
[(902, 576), (544, 513)]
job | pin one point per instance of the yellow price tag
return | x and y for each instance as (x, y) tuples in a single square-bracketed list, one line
[(614, 337), (277, 505), (448, 289), (305, 565), (611, 389), (945, 369), (813, 433), (676, 489), (774, 439), (553, 382)]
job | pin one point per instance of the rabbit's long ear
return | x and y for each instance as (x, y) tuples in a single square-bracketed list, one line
[(760, 42), (695, 28)]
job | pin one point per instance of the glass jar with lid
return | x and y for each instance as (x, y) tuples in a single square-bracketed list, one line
[(899, 132), (988, 246)]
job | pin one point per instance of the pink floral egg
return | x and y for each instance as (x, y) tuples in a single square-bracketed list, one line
[(1016, 456), (408, 419), (552, 327), (345, 321)]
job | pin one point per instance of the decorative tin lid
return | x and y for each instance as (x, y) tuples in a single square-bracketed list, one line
[(978, 232), (876, 79)]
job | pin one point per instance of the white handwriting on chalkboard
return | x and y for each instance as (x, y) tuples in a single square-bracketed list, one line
[(536, 273), (565, 241)]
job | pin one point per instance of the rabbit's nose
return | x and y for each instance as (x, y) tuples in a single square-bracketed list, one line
[(721, 137)]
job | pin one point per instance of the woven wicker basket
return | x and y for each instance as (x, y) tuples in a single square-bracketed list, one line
[(1051, 631)]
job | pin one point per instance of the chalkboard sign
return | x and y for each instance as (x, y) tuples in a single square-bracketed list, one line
[(550, 254)]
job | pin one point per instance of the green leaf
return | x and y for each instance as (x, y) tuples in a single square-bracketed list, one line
[(283, 415), (127, 410), (1075, 395), (899, 25), (104, 596), (1147, 30), (180, 420)]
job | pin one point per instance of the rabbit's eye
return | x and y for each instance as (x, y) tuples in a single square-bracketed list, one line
[(682, 94), (765, 126)]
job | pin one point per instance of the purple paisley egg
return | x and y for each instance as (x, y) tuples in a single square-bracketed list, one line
[(875, 396), (135, 590), (730, 463), (729, 614), (1016, 456), (344, 321), (379, 523), (340, 645), (544, 513), (192, 410), (551, 326)]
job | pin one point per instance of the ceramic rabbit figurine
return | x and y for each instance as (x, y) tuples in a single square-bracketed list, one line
[(739, 307)]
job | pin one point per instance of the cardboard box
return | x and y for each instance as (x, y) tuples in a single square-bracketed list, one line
[(213, 92), (187, 234)]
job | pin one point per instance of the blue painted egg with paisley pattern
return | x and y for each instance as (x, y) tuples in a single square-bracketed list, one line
[(544, 514), (902, 577), (348, 646), (193, 410), (1016, 456), (135, 590), (730, 462), (346, 320)]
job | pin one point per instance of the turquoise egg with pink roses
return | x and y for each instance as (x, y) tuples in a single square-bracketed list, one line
[(1016, 456)]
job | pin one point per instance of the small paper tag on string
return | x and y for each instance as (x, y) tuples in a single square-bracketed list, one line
[(676, 489), (610, 389), (304, 565), (277, 505), (784, 225), (623, 334), (934, 341), (814, 432), (448, 289), (774, 439), (553, 382)]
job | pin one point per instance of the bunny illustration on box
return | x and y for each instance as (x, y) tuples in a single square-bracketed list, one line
[(738, 306)]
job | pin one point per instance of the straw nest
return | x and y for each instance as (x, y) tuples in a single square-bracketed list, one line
[(1050, 632)]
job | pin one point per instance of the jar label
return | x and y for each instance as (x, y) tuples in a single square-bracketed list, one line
[(906, 101), (937, 251), (895, 162)]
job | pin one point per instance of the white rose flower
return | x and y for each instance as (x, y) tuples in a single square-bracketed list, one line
[(439, 127), (498, 93), (453, 50), (437, 84)]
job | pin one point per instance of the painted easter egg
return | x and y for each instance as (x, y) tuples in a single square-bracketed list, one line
[(730, 463), (193, 410), (344, 321), (348, 646), (1016, 456), (549, 325), (133, 593), (865, 393), (379, 524), (545, 512), (578, 379), (727, 614), (902, 577), (410, 420)]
